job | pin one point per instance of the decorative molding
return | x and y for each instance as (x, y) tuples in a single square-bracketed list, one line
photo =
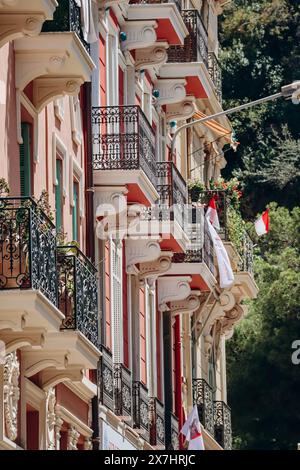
[(170, 90), (153, 56), (50, 419), (140, 34), (231, 319), (36, 361), (18, 340), (181, 111), (47, 89), (72, 440), (158, 267), (15, 25), (49, 378), (138, 251), (186, 306), (57, 428), (171, 289), (11, 395)]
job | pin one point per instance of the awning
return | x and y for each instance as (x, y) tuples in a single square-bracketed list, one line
[(215, 127)]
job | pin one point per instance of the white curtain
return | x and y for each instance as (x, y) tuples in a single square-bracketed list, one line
[(89, 16)]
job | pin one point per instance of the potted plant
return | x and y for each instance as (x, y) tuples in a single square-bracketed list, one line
[(195, 187)]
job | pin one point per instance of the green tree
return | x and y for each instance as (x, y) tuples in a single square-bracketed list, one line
[(262, 381), (260, 53)]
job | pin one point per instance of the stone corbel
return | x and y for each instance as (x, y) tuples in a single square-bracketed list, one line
[(46, 89), (138, 251), (231, 318), (140, 34), (225, 303), (111, 210), (36, 361), (72, 440), (171, 289), (14, 25), (171, 90), (14, 341), (158, 267), (186, 306), (154, 56), (51, 377), (181, 111)]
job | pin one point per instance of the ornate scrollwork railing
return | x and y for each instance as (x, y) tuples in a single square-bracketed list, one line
[(195, 47), (27, 247), (141, 408), (215, 72), (67, 17), (171, 186), (115, 385), (174, 432), (222, 420), (77, 288), (123, 140), (157, 422), (203, 398)]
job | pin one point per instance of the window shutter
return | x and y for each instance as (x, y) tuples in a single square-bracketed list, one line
[(25, 161), (116, 285)]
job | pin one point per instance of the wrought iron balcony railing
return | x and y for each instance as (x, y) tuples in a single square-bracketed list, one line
[(115, 385), (174, 432), (201, 248), (123, 140), (157, 422), (141, 409), (67, 17), (203, 398), (195, 48), (246, 253), (77, 292), (215, 73), (153, 2), (222, 420), (27, 248), (171, 186)]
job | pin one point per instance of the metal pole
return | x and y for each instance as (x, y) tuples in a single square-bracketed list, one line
[(224, 113)]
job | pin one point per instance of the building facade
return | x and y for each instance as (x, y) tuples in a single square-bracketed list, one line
[(112, 320)]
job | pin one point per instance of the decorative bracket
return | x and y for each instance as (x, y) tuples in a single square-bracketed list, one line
[(171, 90), (186, 306), (15, 25), (111, 210), (51, 377), (36, 361), (181, 111), (46, 89), (156, 268), (138, 251), (171, 289), (140, 34), (154, 56)]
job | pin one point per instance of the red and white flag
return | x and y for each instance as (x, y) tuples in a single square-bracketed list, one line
[(192, 431), (212, 214), (224, 265), (262, 223)]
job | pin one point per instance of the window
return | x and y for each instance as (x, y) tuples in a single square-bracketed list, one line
[(59, 193), (25, 161), (75, 212)]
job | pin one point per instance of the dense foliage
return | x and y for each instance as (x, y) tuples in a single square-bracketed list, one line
[(260, 53), (260, 42)]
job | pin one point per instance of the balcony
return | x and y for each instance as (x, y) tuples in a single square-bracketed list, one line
[(174, 432), (19, 18), (171, 186), (67, 18), (124, 150), (27, 265), (157, 429), (195, 47), (222, 420), (56, 62), (77, 292), (115, 386), (215, 72), (203, 398), (27, 248), (141, 409), (155, 2)]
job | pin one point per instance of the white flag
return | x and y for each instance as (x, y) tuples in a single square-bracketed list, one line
[(225, 270), (192, 431)]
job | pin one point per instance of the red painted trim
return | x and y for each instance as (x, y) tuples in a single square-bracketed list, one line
[(178, 382)]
